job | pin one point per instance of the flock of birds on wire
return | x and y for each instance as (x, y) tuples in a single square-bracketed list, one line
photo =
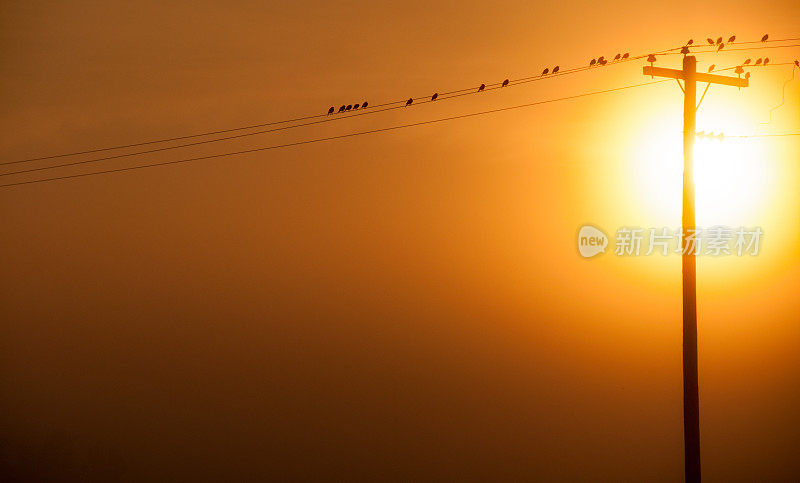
[(601, 61)]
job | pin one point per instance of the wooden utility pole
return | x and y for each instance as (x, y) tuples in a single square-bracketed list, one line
[(691, 399)]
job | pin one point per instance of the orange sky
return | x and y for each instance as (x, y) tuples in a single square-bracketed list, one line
[(406, 305)]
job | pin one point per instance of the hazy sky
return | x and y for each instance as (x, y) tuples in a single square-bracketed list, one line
[(406, 305)]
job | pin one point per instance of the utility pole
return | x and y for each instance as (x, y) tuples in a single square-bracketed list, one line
[(691, 398)]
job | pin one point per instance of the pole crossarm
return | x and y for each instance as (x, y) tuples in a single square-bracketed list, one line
[(698, 76)]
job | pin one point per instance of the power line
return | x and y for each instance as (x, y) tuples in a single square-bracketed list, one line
[(400, 103), (442, 97), (330, 138)]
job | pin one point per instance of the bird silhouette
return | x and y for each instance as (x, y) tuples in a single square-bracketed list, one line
[(711, 67), (731, 39), (710, 40), (690, 42), (481, 87), (349, 106), (435, 96), (602, 62), (355, 106), (739, 70), (797, 63), (616, 57), (765, 37), (758, 61), (330, 111), (720, 47), (747, 75), (601, 59), (651, 58), (555, 69), (746, 61), (364, 105), (719, 40), (626, 55), (341, 109), (546, 71), (505, 83), (766, 60), (684, 50), (592, 62), (409, 101)]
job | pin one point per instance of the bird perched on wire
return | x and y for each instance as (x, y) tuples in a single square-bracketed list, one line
[(341, 109), (765, 37), (690, 42), (409, 101), (355, 106), (330, 111), (546, 71), (739, 70), (505, 83), (797, 63), (719, 40), (592, 62), (481, 87), (766, 60), (720, 47), (435, 96), (731, 39), (758, 61), (710, 41), (626, 55), (602, 62), (746, 61), (711, 67), (600, 59), (747, 75), (364, 105), (349, 106), (684, 50), (651, 58), (617, 57), (555, 69)]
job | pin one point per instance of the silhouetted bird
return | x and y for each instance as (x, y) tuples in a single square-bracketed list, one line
[(765, 37), (626, 55), (349, 106), (746, 61), (616, 57), (720, 47), (505, 83), (555, 69), (435, 96), (330, 111), (481, 87), (684, 50), (651, 58), (355, 106), (710, 40), (409, 101), (602, 62), (601, 59), (758, 61), (797, 63), (592, 62), (690, 42), (341, 109), (739, 70), (364, 105), (711, 67), (546, 71), (719, 40), (766, 60), (731, 39), (747, 75)]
